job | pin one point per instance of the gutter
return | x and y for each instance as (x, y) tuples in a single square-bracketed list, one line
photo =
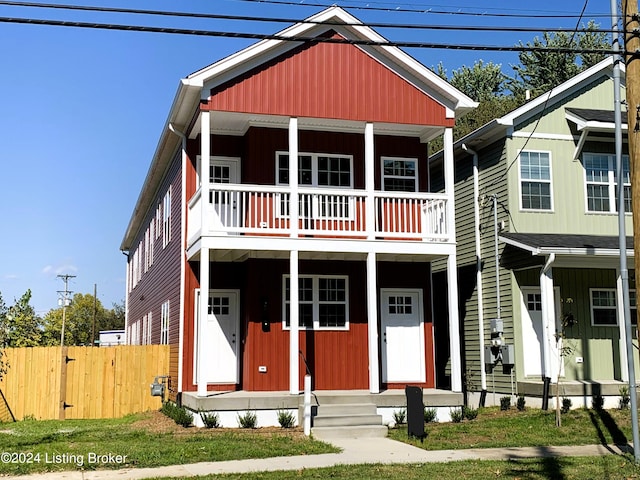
[(476, 223)]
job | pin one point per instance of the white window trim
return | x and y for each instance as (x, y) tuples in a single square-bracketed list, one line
[(314, 169), (166, 218), (164, 323), (403, 159), (316, 303), (550, 182), (315, 203), (592, 307), (611, 184)]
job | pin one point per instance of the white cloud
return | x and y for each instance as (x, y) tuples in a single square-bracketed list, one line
[(60, 269)]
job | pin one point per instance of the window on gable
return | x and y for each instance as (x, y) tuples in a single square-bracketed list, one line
[(601, 182), (535, 181), (322, 302)]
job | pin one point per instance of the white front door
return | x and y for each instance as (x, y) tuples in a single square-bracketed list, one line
[(225, 203), (222, 332), (402, 336), (532, 333)]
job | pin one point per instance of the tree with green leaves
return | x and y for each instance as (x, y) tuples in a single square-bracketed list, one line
[(542, 69), (79, 321), (19, 324)]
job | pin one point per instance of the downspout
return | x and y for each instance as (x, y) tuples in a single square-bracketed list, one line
[(546, 375), (183, 240), (476, 223)]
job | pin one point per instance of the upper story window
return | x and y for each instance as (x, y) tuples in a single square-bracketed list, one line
[(601, 182), (399, 174), (322, 302), (317, 170), (535, 181), (166, 218)]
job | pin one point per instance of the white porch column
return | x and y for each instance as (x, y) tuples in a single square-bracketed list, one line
[(294, 347), (293, 178), (452, 269), (369, 181), (454, 324), (449, 183), (624, 366), (205, 150), (372, 324), (550, 369)]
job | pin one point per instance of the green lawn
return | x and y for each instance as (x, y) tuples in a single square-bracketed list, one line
[(145, 440), (531, 427), (151, 439)]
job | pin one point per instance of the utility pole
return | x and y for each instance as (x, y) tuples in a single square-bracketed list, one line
[(93, 322), (624, 272), (64, 301)]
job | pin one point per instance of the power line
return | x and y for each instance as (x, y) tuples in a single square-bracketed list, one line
[(248, 18), (262, 36), (429, 10)]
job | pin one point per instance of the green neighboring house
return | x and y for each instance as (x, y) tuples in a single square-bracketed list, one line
[(548, 170)]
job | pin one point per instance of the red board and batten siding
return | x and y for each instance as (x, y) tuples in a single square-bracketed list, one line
[(337, 359), (327, 80)]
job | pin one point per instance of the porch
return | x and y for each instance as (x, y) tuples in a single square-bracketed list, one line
[(263, 210)]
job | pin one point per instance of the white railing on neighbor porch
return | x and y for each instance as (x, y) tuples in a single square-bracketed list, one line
[(264, 210)]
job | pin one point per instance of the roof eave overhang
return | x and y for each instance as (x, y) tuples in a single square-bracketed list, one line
[(185, 102), (565, 251)]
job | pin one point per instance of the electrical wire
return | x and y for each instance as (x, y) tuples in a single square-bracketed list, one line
[(248, 18), (419, 10), (262, 36), (542, 110)]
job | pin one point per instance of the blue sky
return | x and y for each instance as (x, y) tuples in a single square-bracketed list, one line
[(82, 111)]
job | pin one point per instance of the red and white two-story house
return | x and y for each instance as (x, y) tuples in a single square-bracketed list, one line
[(300, 160)]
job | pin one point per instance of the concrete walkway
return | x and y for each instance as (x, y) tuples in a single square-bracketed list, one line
[(354, 451)]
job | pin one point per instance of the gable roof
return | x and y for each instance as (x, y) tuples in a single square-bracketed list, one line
[(197, 87), (500, 127)]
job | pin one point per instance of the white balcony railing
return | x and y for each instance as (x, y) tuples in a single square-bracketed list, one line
[(234, 209)]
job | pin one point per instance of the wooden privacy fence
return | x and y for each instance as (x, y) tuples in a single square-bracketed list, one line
[(82, 382)]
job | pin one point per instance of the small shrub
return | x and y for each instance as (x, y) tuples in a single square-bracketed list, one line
[(286, 419), (520, 403), (400, 416), (430, 415), (210, 419), (597, 402), (457, 415), (469, 413), (505, 403), (566, 405), (625, 398), (248, 420), (180, 415), (183, 417)]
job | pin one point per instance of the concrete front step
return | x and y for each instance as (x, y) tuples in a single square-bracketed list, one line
[(357, 431), (346, 420), (347, 409)]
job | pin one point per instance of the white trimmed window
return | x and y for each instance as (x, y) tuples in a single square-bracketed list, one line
[(601, 182), (323, 302), (166, 218), (318, 170), (164, 323), (535, 181), (146, 251), (603, 307), (399, 174), (152, 241)]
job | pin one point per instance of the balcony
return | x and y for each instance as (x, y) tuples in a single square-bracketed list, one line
[(263, 210)]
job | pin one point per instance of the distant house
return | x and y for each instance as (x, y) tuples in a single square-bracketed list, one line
[(298, 162), (111, 338), (548, 168)]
